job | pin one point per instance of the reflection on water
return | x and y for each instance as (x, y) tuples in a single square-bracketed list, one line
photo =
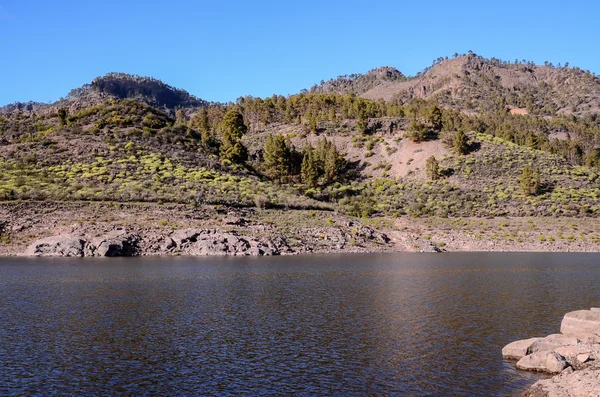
[(379, 324)]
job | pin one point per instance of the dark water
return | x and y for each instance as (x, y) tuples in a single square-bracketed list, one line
[(346, 325)]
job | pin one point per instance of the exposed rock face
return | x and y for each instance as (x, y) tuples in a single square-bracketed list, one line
[(115, 243), (69, 246), (584, 383), (581, 321), (543, 361), (214, 242), (575, 355), (518, 349)]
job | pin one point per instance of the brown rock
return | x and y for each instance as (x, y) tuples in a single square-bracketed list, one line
[(581, 321), (583, 358), (68, 246), (115, 243), (552, 342), (550, 362), (518, 349), (583, 383)]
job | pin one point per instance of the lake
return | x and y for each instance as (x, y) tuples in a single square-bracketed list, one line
[(342, 325)]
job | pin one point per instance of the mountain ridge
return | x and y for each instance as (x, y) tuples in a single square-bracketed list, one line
[(466, 82)]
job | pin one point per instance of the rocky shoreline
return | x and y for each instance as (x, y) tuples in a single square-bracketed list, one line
[(573, 356), (106, 230), (146, 229)]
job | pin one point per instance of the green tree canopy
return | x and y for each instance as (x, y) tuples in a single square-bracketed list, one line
[(460, 144), (432, 168), (278, 156), (233, 129)]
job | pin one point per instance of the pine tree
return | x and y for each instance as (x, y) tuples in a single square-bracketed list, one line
[(233, 128), (525, 181), (432, 168), (201, 122), (530, 181), (435, 118), (62, 116), (180, 118), (536, 181), (331, 164), (362, 121), (459, 142), (310, 169), (278, 156), (416, 131), (332, 115)]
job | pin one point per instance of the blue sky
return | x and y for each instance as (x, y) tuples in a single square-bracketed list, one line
[(220, 50)]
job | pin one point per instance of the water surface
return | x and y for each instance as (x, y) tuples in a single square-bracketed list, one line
[(345, 325)]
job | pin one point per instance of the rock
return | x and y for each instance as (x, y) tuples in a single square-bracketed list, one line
[(518, 349), (583, 383), (57, 246), (167, 244), (581, 321), (571, 351), (552, 342), (181, 237), (550, 362), (234, 220), (595, 309), (214, 242), (586, 337), (583, 358), (115, 243)]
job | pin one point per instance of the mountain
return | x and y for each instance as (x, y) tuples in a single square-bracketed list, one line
[(360, 83), (119, 86), (473, 83), (468, 138)]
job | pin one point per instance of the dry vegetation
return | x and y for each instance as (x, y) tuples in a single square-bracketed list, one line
[(530, 151)]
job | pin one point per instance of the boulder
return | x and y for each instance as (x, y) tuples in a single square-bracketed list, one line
[(184, 236), (586, 337), (552, 342), (518, 349), (581, 321), (583, 357), (69, 246), (550, 362), (572, 351), (167, 244), (115, 243)]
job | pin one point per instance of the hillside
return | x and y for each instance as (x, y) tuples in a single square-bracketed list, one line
[(363, 162), (115, 86), (472, 83)]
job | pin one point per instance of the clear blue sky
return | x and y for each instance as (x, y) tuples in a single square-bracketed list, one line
[(220, 50)]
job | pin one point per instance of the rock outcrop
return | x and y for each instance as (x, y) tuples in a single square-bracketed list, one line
[(543, 361), (583, 383), (518, 349), (552, 342), (581, 321), (215, 242), (56, 246), (574, 354), (115, 243), (191, 242)]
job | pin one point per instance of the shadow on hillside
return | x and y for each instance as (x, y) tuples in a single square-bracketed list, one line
[(474, 147), (547, 187)]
